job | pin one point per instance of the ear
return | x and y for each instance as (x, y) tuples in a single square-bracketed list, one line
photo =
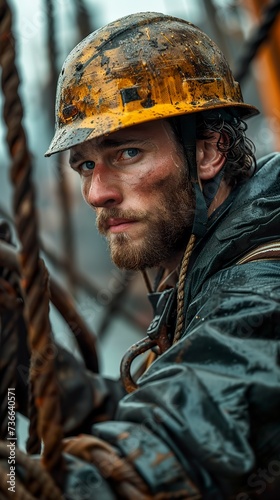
[(209, 159)]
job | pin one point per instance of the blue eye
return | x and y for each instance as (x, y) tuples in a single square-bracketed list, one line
[(87, 165), (130, 153)]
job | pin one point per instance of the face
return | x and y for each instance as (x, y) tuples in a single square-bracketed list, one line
[(136, 182)]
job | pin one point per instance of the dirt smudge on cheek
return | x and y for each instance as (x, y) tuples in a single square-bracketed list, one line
[(141, 180), (160, 181)]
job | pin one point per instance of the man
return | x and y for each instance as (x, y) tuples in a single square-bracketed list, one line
[(154, 122)]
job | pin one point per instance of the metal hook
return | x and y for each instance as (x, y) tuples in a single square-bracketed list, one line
[(139, 347), (157, 335)]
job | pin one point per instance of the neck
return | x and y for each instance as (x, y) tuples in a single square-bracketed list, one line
[(173, 262)]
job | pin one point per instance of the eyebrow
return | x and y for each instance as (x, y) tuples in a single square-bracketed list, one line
[(106, 143), (75, 157)]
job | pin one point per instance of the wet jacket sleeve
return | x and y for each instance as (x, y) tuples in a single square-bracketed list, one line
[(208, 409), (96, 397)]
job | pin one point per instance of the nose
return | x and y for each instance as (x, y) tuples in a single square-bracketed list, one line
[(103, 188)]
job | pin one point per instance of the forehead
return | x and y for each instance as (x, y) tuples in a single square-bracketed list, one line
[(153, 130)]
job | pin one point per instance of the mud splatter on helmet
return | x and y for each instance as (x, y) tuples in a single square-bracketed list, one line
[(142, 67)]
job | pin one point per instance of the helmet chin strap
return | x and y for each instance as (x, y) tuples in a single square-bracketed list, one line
[(211, 187), (186, 125)]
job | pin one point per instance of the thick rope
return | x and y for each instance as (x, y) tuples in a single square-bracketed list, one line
[(120, 472), (10, 308), (181, 289), (81, 280), (33, 273), (39, 483)]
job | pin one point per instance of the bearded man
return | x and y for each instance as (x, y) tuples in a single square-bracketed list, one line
[(154, 122)]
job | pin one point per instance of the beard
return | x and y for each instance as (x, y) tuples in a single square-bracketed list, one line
[(167, 229)]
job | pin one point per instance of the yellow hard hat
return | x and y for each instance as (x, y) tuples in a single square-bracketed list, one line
[(142, 67)]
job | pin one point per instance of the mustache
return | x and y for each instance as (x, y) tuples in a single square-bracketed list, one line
[(103, 216)]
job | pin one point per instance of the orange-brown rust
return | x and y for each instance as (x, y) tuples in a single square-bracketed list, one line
[(135, 350), (121, 473), (123, 435), (160, 458), (143, 67), (46, 421)]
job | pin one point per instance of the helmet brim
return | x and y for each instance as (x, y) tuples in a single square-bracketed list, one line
[(67, 137)]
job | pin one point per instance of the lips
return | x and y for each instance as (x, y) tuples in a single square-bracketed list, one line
[(119, 225)]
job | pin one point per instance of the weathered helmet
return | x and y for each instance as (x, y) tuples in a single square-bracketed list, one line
[(142, 67)]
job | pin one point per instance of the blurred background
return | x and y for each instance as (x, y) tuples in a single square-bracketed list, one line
[(113, 303)]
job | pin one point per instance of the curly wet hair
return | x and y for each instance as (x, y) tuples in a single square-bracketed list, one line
[(238, 149)]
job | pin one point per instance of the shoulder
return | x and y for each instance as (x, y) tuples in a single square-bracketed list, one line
[(239, 287), (237, 292), (269, 161)]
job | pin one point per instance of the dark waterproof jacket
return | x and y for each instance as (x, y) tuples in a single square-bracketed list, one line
[(208, 409)]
